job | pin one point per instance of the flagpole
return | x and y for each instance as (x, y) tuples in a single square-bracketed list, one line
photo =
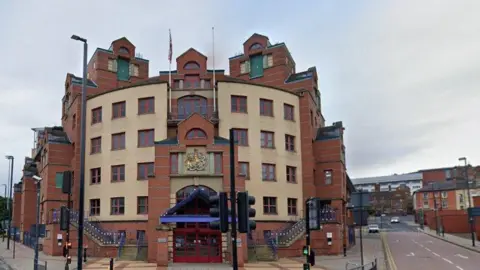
[(170, 71), (214, 82)]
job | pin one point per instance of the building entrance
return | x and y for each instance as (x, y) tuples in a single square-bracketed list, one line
[(195, 242)]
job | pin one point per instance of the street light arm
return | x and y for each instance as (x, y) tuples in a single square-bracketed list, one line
[(75, 37)]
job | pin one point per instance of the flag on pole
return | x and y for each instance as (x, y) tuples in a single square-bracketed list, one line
[(171, 47)]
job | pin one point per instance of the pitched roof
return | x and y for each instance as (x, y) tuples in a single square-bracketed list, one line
[(388, 178)]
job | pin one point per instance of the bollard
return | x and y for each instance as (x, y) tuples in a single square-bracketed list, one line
[(344, 251), (84, 255), (111, 263)]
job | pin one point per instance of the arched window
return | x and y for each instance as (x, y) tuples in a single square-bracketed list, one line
[(123, 50), (191, 65), (191, 104), (186, 191), (196, 133), (256, 46)]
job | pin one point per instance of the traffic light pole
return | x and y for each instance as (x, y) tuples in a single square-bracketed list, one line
[(307, 224), (233, 201), (37, 228)]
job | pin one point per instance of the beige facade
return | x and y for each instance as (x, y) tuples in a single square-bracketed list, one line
[(278, 156), (131, 156), (462, 197)]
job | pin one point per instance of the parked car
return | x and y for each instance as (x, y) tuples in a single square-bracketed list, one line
[(373, 228), (395, 220)]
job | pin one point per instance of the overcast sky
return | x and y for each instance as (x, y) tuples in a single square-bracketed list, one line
[(403, 76)]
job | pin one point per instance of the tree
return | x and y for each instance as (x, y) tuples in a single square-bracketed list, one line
[(3, 208)]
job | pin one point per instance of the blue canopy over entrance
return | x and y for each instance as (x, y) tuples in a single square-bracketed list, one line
[(171, 216)]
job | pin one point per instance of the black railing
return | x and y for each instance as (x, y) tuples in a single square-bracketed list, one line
[(369, 266)]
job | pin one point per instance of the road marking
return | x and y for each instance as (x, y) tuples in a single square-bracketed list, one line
[(422, 245), (459, 268), (461, 256), (411, 254), (450, 262), (436, 254), (428, 249)]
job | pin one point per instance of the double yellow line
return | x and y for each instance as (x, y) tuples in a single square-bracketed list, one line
[(388, 253)]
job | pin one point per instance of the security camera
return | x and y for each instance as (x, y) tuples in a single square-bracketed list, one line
[(38, 178)]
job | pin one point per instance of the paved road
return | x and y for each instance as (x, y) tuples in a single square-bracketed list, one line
[(415, 250)]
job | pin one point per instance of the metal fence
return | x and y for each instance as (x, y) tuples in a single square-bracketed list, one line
[(368, 266), (42, 265)]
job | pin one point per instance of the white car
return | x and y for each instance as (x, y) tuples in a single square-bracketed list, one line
[(373, 228), (395, 220)]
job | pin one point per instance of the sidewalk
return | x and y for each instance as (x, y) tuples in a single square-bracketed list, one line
[(24, 258), (450, 238), (372, 248)]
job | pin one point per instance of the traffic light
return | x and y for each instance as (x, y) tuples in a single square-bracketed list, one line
[(65, 250), (64, 218), (245, 225), (310, 256), (67, 182), (219, 209)]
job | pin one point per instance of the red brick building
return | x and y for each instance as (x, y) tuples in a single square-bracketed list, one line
[(156, 151)]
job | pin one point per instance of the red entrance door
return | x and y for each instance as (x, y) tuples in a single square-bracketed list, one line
[(197, 246)]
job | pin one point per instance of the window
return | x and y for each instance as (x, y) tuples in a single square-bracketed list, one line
[(266, 107), (118, 141), (74, 121), (95, 176), (117, 206), (146, 105), (267, 61), (96, 145), (174, 163), (118, 173), (292, 206), (244, 169), (245, 67), (188, 105), (142, 205), (191, 65), (133, 71), (241, 136), (144, 170), (290, 143), (123, 69), (444, 203), (291, 174), (97, 115), (119, 109), (460, 198), (123, 50), (269, 205), (207, 84), (328, 177), (267, 139), (59, 180), (196, 133), (176, 84), (94, 207), (218, 158), (268, 172), (444, 194), (112, 65), (256, 46), (239, 104), (425, 195), (288, 113), (256, 66), (146, 137)]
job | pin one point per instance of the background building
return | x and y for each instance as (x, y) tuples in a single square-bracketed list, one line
[(156, 151), (390, 182), (396, 201)]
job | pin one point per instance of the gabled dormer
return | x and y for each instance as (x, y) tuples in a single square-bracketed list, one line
[(118, 66)]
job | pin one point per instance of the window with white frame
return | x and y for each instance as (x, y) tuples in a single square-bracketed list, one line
[(444, 194), (267, 61), (112, 65), (133, 70), (245, 67)]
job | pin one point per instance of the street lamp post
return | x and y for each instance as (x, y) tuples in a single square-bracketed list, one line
[(37, 223), (6, 207), (81, 207), (11, 160), (472, 221)]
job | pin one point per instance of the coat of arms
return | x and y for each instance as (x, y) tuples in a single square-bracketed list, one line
[(195, 161)]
